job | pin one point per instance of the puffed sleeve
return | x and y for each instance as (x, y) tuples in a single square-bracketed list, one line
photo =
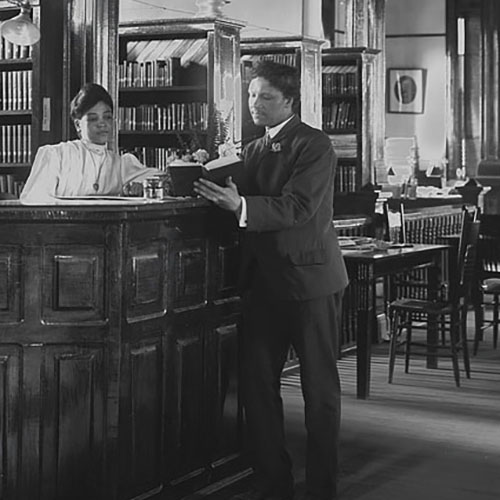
[(43, 180), (134, 171)]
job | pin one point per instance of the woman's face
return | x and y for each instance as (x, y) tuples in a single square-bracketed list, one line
[(96, 124)]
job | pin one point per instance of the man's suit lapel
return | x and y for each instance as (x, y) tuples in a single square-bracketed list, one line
[(294, 122)]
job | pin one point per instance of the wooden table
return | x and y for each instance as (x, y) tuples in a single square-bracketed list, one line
[(364, 268)]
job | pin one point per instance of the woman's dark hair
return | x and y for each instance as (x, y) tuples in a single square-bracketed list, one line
[(280, 76), (88, 96)]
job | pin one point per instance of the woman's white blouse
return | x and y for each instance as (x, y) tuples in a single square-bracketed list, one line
[(75, 168)]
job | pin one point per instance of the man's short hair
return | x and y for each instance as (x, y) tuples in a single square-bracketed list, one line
[(280, 76)]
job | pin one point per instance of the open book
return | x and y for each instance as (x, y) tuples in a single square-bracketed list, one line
[(220, 169), (183, 174)]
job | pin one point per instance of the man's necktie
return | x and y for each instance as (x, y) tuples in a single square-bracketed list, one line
[(267, 139)]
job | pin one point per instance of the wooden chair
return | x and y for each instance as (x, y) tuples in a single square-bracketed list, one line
[(450, 314), (489, 284), (394, 216)]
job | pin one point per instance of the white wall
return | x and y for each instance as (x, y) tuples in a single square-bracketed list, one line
[(427, 20), (263, 18)]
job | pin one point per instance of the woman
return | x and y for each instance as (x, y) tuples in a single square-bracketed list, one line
[(84, 167)]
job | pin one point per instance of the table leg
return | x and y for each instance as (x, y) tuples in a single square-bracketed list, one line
[(432, 321), (363, 353), (365, 299)]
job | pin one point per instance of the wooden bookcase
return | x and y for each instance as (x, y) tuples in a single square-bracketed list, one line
[(347, 113), (179, 87), (18, 106), (302, 52)]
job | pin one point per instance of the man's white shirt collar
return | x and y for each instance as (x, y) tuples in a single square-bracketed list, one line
[(273, 131)]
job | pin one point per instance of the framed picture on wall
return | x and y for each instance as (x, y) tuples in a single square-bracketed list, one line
[(406, 90)]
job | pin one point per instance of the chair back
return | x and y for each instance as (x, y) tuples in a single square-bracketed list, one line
[(469, 216), (395, 230), (489, 247), (461, 284)]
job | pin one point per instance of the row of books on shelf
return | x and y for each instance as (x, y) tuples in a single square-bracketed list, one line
[(154, 157), (8, 184), (345, 178), (10, 50), (345, 145), (173, 116), (15, 141), (16, 90), (158, 73), (339, 115), (289, 59), (339, 83)]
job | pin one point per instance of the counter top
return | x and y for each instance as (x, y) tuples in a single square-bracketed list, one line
[(84, 209)]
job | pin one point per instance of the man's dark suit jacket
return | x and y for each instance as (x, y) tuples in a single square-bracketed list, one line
[(289, 248)]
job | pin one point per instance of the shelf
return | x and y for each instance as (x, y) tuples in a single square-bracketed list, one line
[(16, 112), (191, 92), (340, 131), (163, 132), (347, 110), (11, 64), (340, 97), (173, 88), (14, 165)]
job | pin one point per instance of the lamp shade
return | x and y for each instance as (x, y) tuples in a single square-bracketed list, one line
[(20, 30)]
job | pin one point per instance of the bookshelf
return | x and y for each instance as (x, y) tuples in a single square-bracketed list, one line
[(302, 52), (347, 113), (18, 137), (179, 87)]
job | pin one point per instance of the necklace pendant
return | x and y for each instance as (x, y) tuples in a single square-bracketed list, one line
[(95, 186)]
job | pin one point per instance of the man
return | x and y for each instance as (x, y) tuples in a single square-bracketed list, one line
[(293, 277)]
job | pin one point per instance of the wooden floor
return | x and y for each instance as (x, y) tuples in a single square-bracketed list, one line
[(418, 438)]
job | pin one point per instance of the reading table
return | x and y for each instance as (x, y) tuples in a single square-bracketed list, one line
[(364, 268)]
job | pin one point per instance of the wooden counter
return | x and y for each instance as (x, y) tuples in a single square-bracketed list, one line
[(118, 350)]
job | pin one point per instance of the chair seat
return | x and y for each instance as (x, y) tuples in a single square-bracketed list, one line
[(421, 306), (491, 285)]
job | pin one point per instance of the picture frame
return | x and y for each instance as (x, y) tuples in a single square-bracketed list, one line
[(406, 90)]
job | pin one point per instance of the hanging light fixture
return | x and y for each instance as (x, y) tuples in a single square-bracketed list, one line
[(20, 30)]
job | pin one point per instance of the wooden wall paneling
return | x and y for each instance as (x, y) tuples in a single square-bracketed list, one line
[(10, 430), (114, 237), (186, 430), (30, 478), (147, 264), (126, 355), (141, 446), (225, 417), (73, 284), (226, 266), (10, 284), (73, 418), (190, 273)]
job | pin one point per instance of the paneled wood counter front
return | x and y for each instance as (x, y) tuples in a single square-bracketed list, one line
[(118, 350)]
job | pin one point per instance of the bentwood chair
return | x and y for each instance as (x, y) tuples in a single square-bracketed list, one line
[(451, 314)]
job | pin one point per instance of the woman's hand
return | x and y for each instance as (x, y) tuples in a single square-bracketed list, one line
[(226, 197)]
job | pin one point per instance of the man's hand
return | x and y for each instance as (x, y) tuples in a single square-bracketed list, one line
[(226, 197)]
